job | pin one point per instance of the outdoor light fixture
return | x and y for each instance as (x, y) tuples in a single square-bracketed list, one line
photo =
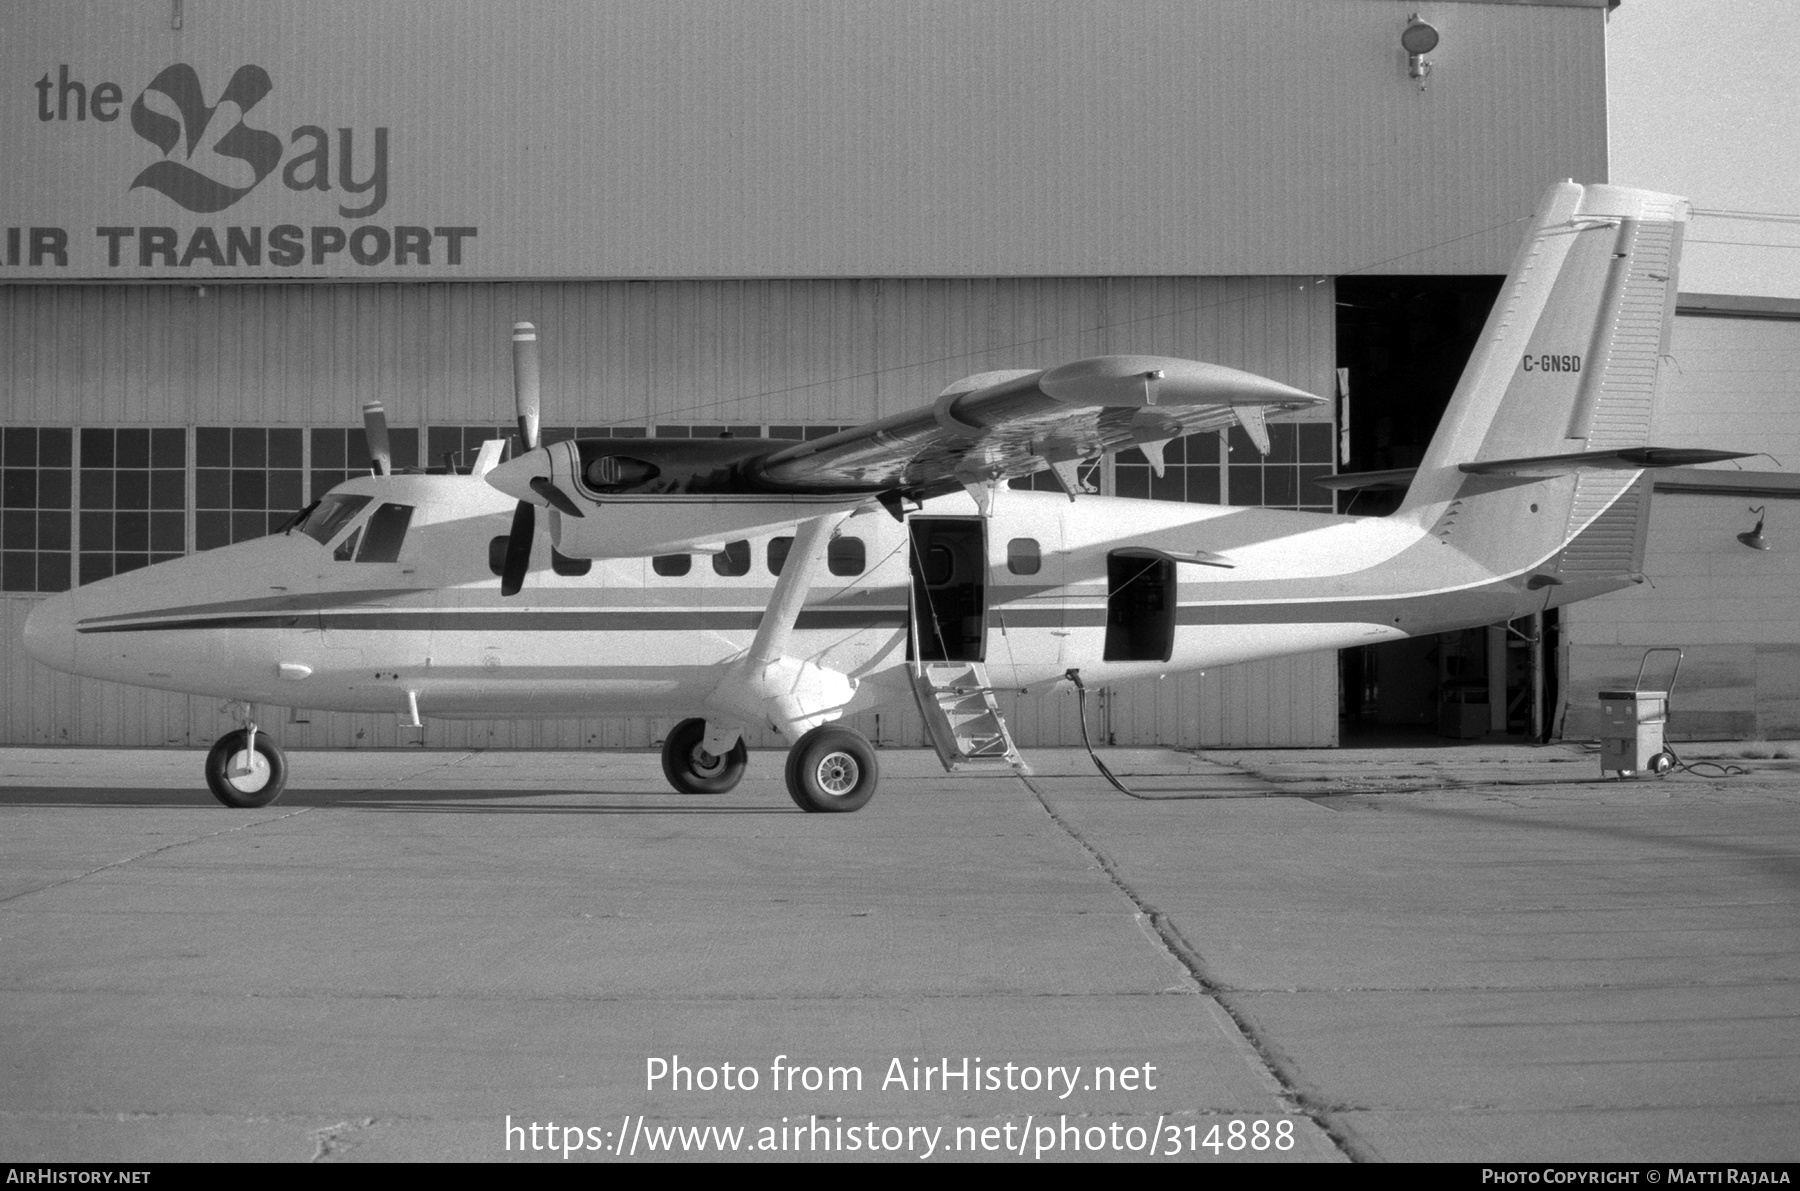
[(1754, 539), (1418, 39)]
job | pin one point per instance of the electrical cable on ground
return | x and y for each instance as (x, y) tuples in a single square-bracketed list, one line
[(1074, 676), (1725, 769)]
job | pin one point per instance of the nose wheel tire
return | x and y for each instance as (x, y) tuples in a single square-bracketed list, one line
[(693, 770), (244, 781), (832, 768)]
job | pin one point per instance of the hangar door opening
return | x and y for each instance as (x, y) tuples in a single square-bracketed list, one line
[(1402, 344)]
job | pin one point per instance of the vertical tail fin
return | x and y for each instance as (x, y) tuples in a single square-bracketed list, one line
[(1568, 362)]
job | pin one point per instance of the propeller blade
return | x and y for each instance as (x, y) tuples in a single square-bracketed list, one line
[(559, 500), (375, 431), (525, 383), (518, 548)]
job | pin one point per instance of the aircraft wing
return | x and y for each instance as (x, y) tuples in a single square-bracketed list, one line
[(997, 425), (674, 495)]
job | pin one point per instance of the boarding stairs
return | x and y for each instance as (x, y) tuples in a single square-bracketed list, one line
[(962, 718)]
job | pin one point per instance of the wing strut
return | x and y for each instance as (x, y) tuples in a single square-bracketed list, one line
[(768, 685), (776, 630)]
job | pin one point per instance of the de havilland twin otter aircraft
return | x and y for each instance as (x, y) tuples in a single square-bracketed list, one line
[(904, 568)]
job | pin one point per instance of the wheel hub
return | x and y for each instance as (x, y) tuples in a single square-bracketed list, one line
[(703, 763), (251, 777), (838, 773)]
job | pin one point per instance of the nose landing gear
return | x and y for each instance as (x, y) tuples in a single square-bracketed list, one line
[(245, 769), (693, 770)]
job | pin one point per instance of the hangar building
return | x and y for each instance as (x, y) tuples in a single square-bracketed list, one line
[(225, 226)]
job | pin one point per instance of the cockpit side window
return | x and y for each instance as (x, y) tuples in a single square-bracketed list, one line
[(385, 534), (323, 523)]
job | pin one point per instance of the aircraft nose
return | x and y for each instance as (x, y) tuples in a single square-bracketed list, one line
[(50, 632)]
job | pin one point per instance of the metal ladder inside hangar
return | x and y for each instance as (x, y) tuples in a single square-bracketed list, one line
[(962, 718)]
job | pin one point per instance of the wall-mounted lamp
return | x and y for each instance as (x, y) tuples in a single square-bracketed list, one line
[(1418, 39), (1754, 539)]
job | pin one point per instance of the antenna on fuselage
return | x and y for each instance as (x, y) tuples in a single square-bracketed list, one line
[(381, 460)]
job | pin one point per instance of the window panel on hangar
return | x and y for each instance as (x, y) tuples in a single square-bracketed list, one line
[(36, 507), (127, 507), (133, 498), (340, 453), (248, 481)]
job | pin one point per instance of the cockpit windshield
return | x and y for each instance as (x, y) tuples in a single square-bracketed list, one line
[(387, 530), (323, 522)]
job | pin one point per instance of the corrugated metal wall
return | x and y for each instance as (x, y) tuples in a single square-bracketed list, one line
[(784, 138), (830, 352), (1734, 385), (634, 352)]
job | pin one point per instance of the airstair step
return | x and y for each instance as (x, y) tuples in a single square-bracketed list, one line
[(961, 717)]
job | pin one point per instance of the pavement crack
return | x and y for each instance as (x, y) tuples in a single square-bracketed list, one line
[(436, 767), (1276, 1065), (157, 851)]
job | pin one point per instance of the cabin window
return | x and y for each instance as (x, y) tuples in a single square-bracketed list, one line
[(497, 554), (938, 566), (672, 565), (562, 564), (844, 556), (778, 552), (847, 556), (1022, 556), (385, 534), (323, 523), (734, 560)]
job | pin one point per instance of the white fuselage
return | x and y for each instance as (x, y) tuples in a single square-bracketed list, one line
[(284, 620)]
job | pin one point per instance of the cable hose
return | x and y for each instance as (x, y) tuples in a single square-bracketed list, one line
[(1725, 770), (1074, 676)]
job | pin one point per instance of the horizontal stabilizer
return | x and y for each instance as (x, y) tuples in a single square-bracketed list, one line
[(1627, 459), (1396, 479), (1623, 459)]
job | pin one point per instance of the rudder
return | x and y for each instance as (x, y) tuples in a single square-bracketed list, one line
[(1568, 362)]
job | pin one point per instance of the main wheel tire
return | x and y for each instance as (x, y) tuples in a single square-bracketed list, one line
[(832, 768), (693, 770), (259, 785)]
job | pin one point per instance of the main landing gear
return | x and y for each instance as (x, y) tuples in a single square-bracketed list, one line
[(245, 769), (830, 769)]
